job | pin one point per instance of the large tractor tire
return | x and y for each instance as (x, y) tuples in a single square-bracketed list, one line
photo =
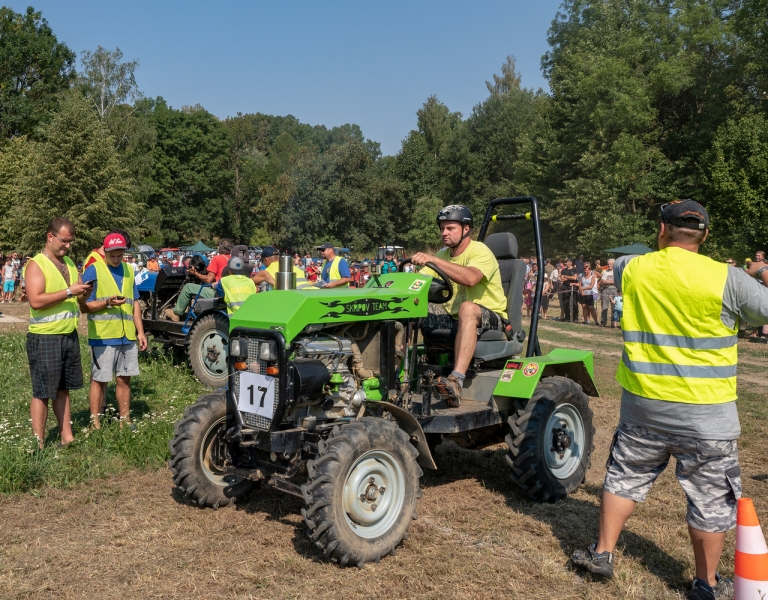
[(550, 440), (208, 348), (362, 491), (197, 455)]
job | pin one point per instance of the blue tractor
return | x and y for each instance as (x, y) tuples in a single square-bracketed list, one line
[(204, 332)]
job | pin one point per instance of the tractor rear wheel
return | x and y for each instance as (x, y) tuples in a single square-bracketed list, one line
[(362, 491), (550, 440), (197, 455), (208, 347)]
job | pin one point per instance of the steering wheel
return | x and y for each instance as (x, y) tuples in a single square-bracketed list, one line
[(440, 289)]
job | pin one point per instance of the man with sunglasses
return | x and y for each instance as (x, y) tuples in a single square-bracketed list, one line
[(56, 296), (680, 325)]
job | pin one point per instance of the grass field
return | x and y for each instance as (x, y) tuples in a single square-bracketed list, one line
[(159, 396), (476, 536)]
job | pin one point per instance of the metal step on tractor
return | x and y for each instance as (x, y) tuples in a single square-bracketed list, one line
[(331, 399)]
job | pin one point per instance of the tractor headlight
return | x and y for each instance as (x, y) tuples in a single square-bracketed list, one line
[(238, 347), (268, 351)]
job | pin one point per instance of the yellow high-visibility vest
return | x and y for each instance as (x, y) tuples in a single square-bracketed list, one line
[(61, 318), (113, 322), (676, 347), (333, 272), (302, 283), (94, 254), (236, 289)]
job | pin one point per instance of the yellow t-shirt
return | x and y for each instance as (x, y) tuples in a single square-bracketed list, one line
[(487, 292)]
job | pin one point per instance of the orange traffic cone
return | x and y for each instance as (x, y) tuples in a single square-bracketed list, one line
[(751, 581)]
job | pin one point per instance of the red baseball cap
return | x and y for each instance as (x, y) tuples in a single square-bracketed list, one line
[(115, 241)]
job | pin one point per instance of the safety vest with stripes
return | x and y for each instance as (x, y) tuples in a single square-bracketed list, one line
[(60, 318), (333, 272), (113, 322), (236, 289), (676, 347)]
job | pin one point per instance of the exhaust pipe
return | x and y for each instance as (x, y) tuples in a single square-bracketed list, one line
[(286, 278)]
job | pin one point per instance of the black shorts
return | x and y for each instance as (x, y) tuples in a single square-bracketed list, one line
[(438, 318), (54, 363), (587, 299)]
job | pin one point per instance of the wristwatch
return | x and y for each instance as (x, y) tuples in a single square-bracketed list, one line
[(760, 271), (69, 293)]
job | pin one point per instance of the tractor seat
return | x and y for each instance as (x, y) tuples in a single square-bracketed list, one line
[(494, 344)]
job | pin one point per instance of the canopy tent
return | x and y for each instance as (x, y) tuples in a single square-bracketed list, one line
[(199, 247), (631, 249)]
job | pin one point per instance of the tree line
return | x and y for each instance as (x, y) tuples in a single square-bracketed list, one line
[(650, 100)]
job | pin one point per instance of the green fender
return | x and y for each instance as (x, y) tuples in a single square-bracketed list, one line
[(520, 376)]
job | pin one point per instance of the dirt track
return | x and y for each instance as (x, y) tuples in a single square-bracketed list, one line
[(476, 537)]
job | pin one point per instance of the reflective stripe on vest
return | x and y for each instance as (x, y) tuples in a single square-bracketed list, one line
[(113, 322), (61, 318), (676, 347), (236, 288), (333, 272)]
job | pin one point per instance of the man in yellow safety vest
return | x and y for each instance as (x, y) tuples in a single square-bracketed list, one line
[(678, 371), (335, 271), (235, 285), (270, 257), (56, 294), (115, 328)]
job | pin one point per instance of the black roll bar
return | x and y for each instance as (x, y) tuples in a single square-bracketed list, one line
[(533, 338)]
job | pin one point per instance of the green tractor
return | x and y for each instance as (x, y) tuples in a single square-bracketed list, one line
[(331, 399)]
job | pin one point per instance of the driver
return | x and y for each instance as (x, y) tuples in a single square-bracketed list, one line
[(478, 303)]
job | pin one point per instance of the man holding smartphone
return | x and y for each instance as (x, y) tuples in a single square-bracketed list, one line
[(56, 296), (114, 327)]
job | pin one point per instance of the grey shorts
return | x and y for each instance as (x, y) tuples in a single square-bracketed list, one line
[(707, 470), (438, 318), (106, 361)]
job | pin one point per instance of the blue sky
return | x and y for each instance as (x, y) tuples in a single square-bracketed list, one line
[(328, 63)]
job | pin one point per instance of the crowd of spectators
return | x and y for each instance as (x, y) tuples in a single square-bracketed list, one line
[(573, 285)]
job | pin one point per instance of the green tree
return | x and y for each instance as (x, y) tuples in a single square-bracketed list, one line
[(107, 81), (34, 68), (73, 171), (737, 177), (190, 174)]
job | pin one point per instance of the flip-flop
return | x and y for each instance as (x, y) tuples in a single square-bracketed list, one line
[(449, 390)]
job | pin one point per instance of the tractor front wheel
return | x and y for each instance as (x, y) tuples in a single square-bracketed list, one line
[(198, 455), (362, 490), (550, 440)]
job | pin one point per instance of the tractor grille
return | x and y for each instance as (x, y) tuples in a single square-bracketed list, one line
[(252, 420)]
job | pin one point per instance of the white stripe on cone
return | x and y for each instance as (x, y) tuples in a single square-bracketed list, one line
[(750, 539), (746, 589)]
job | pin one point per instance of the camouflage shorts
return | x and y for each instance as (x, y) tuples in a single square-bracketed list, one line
[(707, 470), (438, 318)]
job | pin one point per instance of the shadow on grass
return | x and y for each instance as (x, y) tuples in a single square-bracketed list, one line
[(573, 521)]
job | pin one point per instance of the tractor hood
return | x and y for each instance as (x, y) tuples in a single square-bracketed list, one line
[(399, 296)]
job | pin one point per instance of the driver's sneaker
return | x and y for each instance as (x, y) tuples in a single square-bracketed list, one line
[(449, 389), (701, 591), (599, 564), (172, 315)]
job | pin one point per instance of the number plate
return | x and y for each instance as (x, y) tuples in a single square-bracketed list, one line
[(257, 394)]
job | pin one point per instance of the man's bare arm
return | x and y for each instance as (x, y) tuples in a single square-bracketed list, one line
[(466, 276), (36, 294)]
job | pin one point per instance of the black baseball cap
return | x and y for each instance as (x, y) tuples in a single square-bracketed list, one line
[(685, 213), (268, 251), (324, 246)]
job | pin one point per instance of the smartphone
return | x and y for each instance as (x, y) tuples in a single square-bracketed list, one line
[(119, 297)]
